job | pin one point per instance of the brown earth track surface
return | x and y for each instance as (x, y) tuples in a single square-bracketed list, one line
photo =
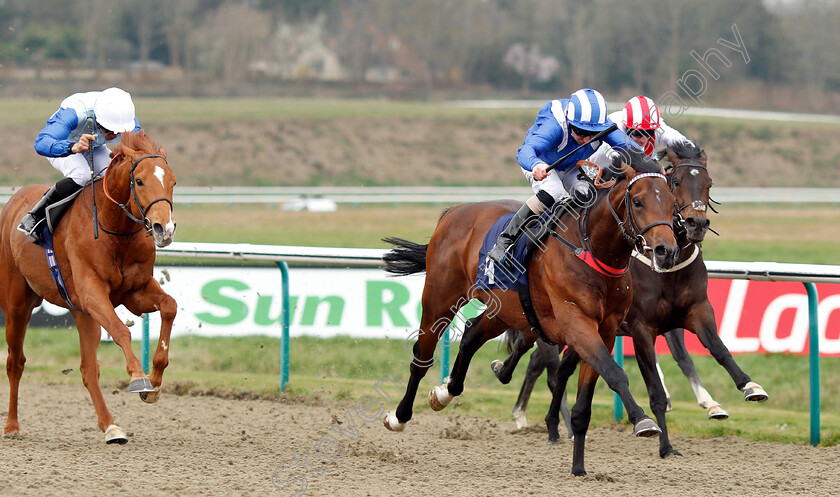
[(204, 445)]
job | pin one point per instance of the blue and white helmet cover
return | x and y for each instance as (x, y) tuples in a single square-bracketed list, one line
[(587, 109)]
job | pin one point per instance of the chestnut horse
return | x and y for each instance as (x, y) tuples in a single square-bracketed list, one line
[(574, 303), (100, 273), (663, 303)]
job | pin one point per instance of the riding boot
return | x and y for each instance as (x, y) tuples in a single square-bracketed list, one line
[(511, 234), (31, 222)]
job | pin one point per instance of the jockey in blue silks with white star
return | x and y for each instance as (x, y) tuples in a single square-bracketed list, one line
[(560, 127)]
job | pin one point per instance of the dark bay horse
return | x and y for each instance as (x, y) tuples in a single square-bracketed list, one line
[(664, 302), (575, 304), (100, 274)]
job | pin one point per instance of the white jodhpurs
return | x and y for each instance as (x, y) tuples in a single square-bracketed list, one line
[(559, 183), (76, 165)]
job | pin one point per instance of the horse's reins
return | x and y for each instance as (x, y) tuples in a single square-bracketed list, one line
[(635, 238), (143, 220)]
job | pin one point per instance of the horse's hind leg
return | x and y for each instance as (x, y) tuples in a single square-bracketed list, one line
[(504, 370), (559, 373), (676, 342), (15, 334), (89, 336), (433, 324), (536, 365), (153, 298), (17, 301)]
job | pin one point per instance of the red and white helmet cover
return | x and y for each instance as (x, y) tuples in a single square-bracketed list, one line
[(640, 112)]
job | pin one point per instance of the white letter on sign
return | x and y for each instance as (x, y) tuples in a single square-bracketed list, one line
[(732, 317), (795, 342)]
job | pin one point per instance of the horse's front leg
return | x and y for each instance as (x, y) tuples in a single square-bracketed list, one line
[(701, 320), (581, 415), (96, 302), (149, 299), (477, 331), (594, 348), (643, 340), (89, 337)]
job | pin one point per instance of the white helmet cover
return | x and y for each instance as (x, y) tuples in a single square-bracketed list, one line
[(114, 110)]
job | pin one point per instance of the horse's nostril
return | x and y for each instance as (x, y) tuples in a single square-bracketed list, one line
[(158, 229), (707, 223), (660, 251)]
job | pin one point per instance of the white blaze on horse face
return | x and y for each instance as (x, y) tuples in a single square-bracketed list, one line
[(695, 172), (159, 173)]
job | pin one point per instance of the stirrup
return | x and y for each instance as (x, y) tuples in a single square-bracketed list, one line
[(33, 232)]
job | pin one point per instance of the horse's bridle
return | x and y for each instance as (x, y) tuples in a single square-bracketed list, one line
[(142, 219), (696, 205), (636, 235)]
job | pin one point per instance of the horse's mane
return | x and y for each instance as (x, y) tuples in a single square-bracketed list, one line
[(138, 141), (686, 150), (634, 158)]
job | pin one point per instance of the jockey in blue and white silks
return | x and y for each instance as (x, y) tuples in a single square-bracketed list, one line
[(561, 126), (67, 134)]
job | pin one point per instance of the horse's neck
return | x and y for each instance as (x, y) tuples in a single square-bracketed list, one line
[(109, 213), (606, 241)]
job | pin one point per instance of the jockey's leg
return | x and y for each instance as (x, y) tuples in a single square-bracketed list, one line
[(33, 219), (530, 211)]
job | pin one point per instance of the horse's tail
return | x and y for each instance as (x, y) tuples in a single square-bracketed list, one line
[(510, 337), (405, 258)]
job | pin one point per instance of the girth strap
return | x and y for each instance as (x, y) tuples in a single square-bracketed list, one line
[(59, 281)]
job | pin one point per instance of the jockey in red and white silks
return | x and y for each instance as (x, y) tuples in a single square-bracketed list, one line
[(640, 121)]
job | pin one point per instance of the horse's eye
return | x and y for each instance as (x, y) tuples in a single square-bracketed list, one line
[(637, 202), (676, 184), (139, 182)]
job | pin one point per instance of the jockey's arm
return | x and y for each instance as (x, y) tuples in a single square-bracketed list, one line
[(670, 135), (542, 138), (52, 140)]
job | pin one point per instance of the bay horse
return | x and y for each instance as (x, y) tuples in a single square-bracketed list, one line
[(664, 303), (99, 273), (574, 303)]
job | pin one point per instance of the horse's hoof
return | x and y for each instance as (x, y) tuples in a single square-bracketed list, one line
[(717, 412), (439, 398), (670, 452), (392, 423), (138, 385), (754, 393), (150, 397), (496, 366), (115, 435), (668, 406), (646, 428)]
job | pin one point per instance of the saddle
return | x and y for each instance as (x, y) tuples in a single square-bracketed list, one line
[(56, 211)]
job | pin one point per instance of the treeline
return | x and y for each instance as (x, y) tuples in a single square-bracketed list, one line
[(787, 49)]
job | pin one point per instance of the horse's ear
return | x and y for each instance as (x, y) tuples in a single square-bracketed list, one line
[(162, 150), (672, 156), (702, 158)]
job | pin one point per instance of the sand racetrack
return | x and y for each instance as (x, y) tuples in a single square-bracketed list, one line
[(190, 446)]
